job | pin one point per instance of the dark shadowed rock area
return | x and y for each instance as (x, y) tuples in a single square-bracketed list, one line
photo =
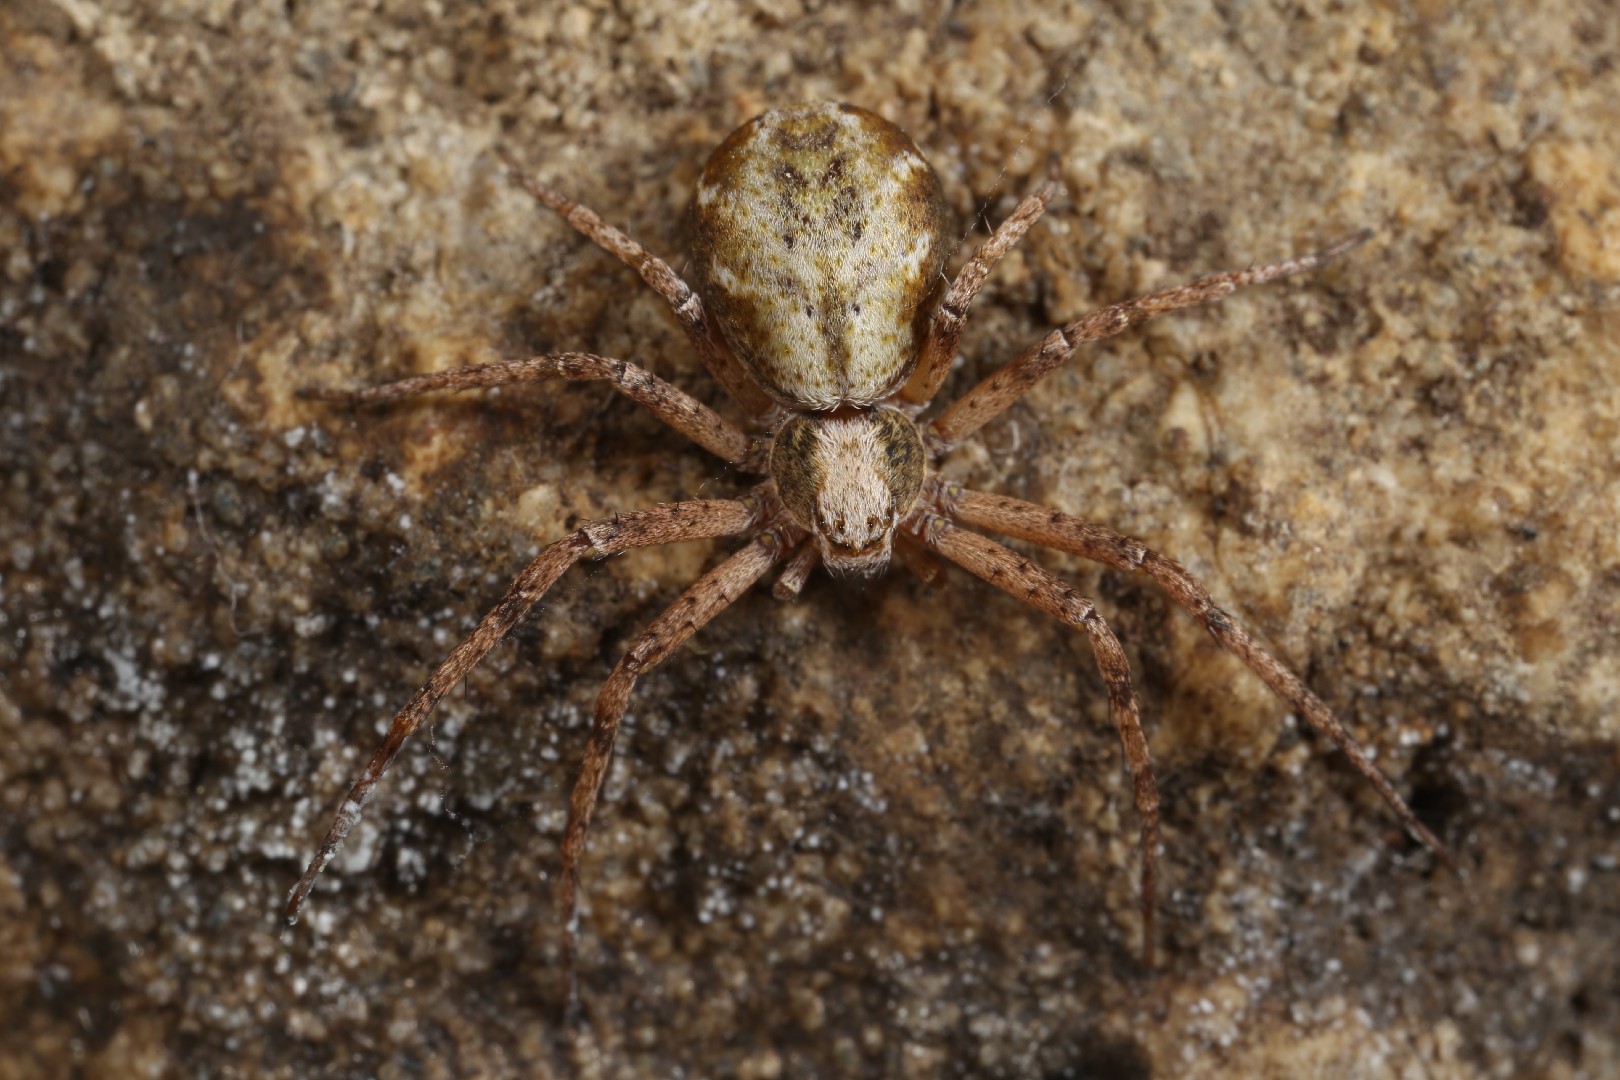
[(884, 831)]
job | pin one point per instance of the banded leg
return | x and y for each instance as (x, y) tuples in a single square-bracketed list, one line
[(1010, 382), (945, 330), (665, 524), (1011, 572), (1040, 525), (712, 594), (678, 409), (687, 306)]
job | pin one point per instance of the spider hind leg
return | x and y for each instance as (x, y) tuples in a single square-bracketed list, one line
[(669, 403), (687, 307), (1011, 380)]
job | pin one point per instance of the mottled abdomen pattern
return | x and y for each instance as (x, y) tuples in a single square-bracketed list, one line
[(819, 233)]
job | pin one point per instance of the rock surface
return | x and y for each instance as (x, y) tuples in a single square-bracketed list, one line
[(882, 831)]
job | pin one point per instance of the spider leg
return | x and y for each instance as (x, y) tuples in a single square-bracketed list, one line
[(1050, 528), (673, 406), (666, 524), (1011, 572), (687, 306), (945, 330), (1009, 382), (710, 595)]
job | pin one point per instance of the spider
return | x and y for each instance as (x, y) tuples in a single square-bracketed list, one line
[(819, 241)]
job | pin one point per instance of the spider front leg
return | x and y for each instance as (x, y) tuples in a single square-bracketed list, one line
[(1014, 378), (712, 594), (681, 411), (717, 357), (667, 524), (1053, 529), (1011, 572)]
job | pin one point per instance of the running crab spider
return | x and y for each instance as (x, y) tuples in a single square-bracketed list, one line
[(819, 244)]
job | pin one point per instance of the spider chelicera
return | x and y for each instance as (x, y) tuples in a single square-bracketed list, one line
[(819, 244)]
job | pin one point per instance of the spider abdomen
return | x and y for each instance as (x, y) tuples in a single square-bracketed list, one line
[(819, 233)]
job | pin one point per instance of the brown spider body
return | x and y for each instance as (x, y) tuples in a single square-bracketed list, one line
[(819, 241), (849, 480), (818, 237)]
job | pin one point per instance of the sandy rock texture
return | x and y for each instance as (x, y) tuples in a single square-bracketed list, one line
[(883, 831)]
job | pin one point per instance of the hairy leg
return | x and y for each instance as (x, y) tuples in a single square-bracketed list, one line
[(712, 594), (1050, 528), (1009, 382), (685, 303), (1016, 575), (665, 524), (945, 331), (674, 407)]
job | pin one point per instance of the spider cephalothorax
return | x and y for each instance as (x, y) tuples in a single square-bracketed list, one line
[(848, 479), (819, 239)]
